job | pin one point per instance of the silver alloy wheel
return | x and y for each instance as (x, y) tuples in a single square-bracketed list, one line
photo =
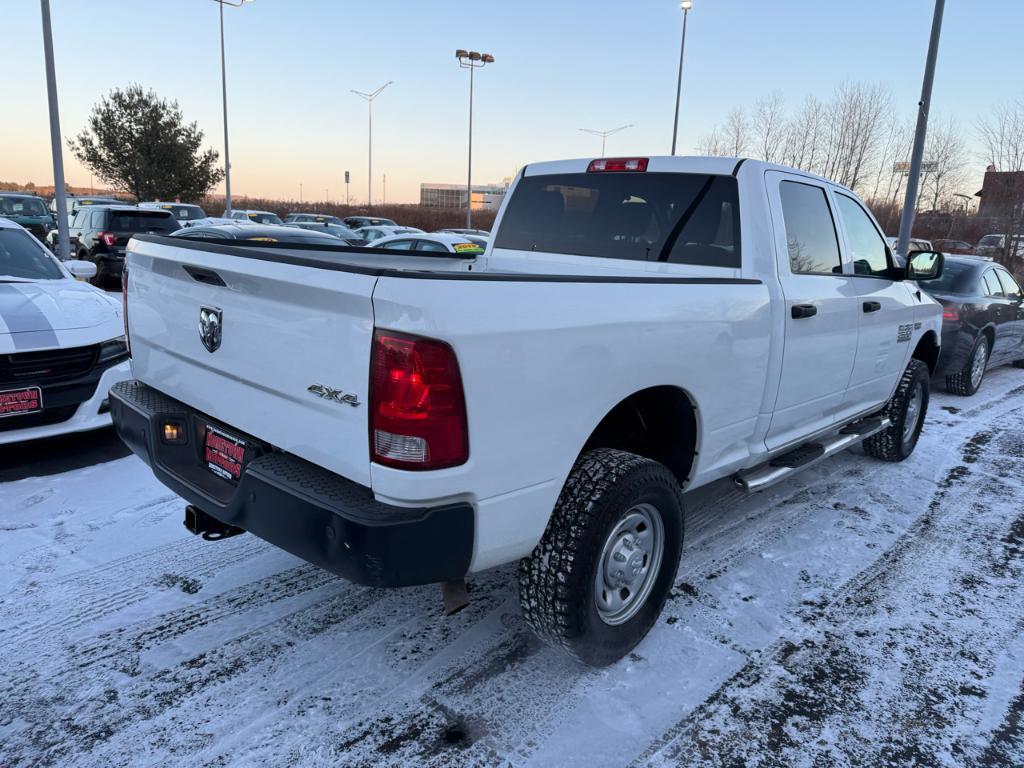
[(979, 363), (629, 564), (913, 412)]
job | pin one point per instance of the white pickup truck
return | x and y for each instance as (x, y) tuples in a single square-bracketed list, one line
[(637, 327)]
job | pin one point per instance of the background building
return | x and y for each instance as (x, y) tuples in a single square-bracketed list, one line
[(486, 197)]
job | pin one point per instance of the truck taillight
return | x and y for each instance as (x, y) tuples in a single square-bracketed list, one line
[(108, 238), (618, 164), (124, 308), (417, 406)]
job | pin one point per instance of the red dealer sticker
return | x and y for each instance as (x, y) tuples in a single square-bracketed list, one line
[(18, 402), (224, 454)]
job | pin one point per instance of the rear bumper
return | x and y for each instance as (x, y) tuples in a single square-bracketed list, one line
[(298, 506)]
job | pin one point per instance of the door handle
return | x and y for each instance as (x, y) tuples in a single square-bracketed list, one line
[(872, 306), (800, 311)]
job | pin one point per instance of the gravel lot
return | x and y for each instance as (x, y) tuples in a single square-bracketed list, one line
[(860, 614)]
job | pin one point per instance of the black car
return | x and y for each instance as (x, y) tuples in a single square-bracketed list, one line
[(268, 233), (982, 321), (355, 222), (100, 233)]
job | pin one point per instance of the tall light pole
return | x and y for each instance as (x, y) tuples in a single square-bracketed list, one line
[(369, 103), (55, 145), (224, 98), (917, 154), (471, 60), (686, 5), (605, 134)]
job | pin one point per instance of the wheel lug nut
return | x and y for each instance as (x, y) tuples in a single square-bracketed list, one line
[(619, 557)]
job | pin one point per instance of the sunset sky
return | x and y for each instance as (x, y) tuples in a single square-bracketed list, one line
[(560, 66)]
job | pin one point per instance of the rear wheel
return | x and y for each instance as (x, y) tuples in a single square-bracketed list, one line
[(597, 581), (906, 411), (967, 380)]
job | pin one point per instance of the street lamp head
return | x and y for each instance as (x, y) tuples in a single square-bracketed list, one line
[(461, 54), (474, 56), (686, 5), (487, 58)]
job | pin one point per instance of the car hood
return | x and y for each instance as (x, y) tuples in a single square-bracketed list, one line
[(53, 305)]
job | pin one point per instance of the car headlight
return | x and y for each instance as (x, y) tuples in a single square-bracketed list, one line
[(114, 350)]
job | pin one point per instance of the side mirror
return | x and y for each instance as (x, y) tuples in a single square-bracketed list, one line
[(81, 270), (925, 265)]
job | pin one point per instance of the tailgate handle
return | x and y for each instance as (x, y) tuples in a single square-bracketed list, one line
[(872, 306), (203, 275), (801, 311)]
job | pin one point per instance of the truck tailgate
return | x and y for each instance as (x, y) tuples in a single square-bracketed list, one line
[(284, 328)]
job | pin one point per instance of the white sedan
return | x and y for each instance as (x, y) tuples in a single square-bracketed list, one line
[(459, 245), (369, 234), (62, 343)]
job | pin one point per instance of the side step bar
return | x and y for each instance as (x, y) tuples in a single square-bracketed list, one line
[(781, 467)]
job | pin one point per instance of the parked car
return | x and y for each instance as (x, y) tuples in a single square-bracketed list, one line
[(28, 211), (268, 233), (457, 231), (187, 214), (457, 245), (634, 331), (312, 218), (369, 234), (916, 244), (74, 203), (337, 230), (257, 217), (955, 247), (358, 222), (982, 321), (993, 246), (100, 233), (62, 343)]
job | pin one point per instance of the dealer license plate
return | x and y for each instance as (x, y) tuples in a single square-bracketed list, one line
[(224, 454), (18, 402)]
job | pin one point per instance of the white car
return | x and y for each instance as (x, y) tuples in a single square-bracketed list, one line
[(459, 245), (62, 343), (636, 327), (255, 216), (187, 214), (369, 234)]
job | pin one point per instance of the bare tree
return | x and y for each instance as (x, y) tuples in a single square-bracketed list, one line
[(803, 135), (855, 120), (1002, 139), (710, 144), (946, 150), (769, 127), (736, 134)]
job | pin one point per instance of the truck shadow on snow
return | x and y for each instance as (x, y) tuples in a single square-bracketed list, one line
[(53, 455)]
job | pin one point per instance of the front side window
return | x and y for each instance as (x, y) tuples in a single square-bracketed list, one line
[(429, 245), (810, 231), (22, 257), (398, 245), (868, 250), (679, 218), (1010, 288)]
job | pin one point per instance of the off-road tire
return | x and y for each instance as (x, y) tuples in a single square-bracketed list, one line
[(959, 383), (557, 581), (889, 445)]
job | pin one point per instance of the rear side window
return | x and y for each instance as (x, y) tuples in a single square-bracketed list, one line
[(810, 231), (141, 221), (868, 250), (990, 284), (680, 218)]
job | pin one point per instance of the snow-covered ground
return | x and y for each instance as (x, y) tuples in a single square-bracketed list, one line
[(861, 614)]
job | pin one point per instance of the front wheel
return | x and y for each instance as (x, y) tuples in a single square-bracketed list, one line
[(906, 411), (597, 581)]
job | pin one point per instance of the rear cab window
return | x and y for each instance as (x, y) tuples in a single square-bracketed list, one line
[(140, 221), (679, 218)]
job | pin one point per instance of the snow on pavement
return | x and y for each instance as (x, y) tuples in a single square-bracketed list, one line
[(862, 613)]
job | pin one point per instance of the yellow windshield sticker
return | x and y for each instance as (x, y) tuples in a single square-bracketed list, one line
[(263, 239), (467, 248)]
